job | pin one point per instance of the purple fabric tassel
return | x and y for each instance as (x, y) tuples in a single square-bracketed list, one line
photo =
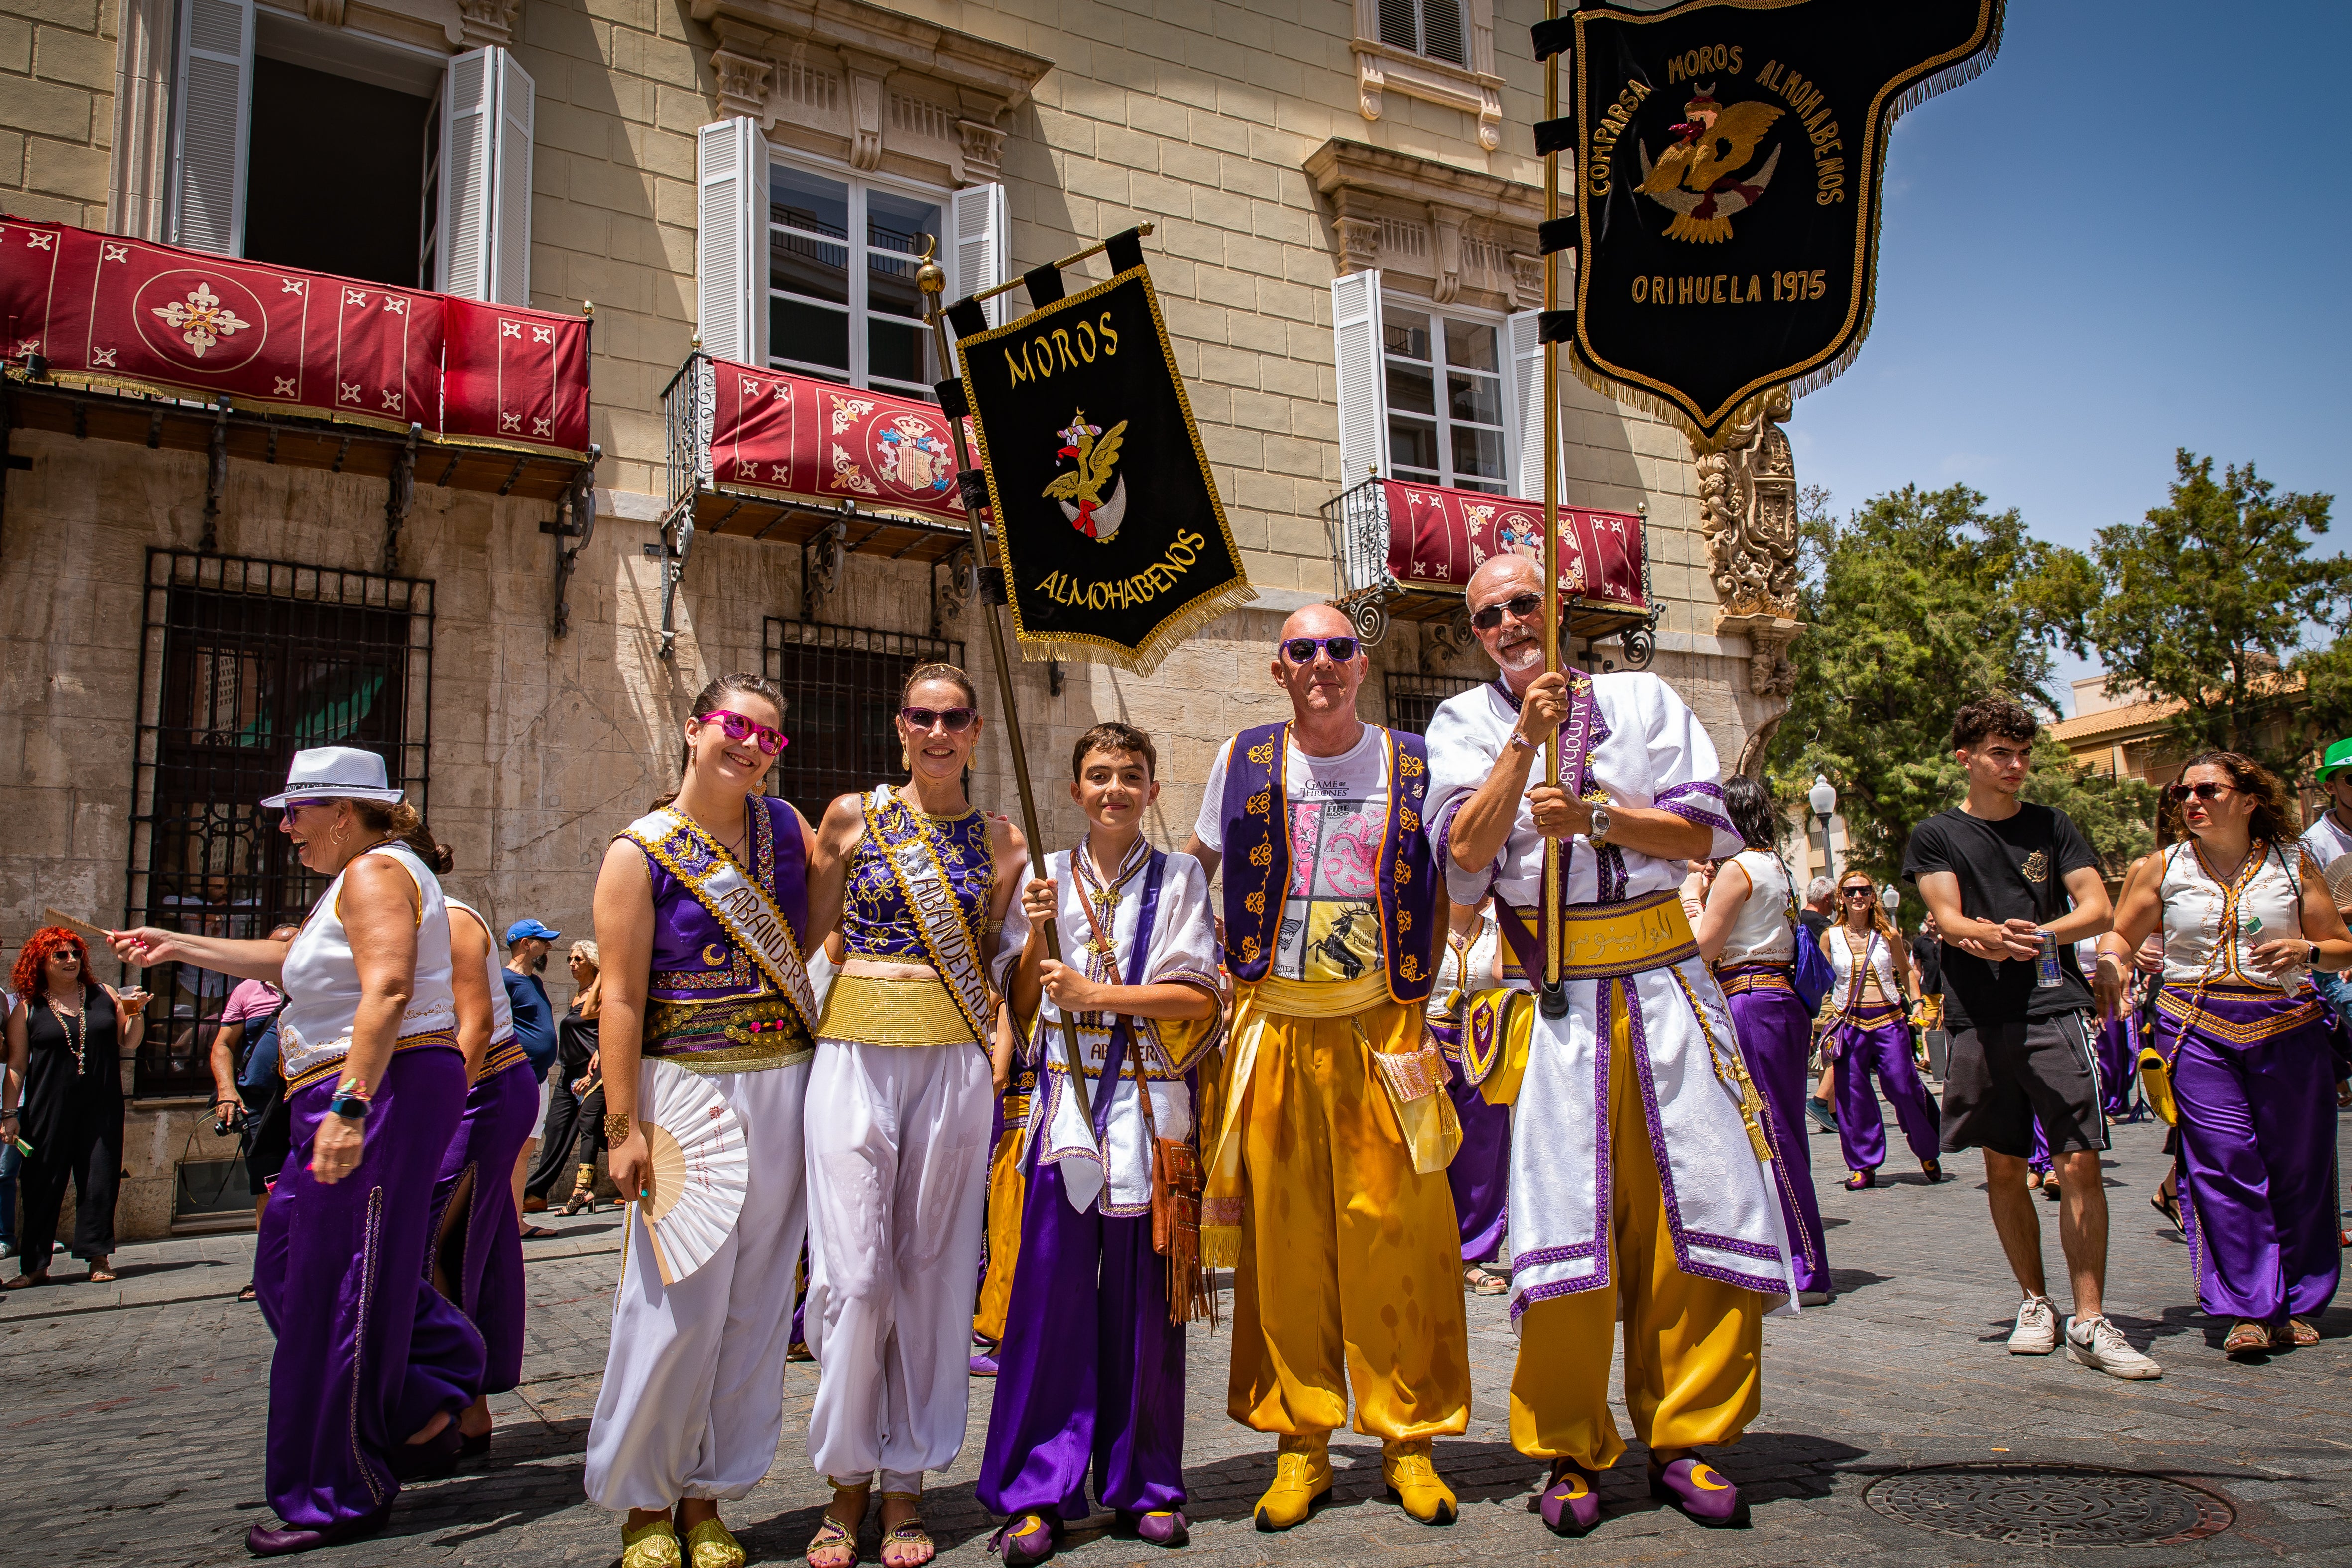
[(1091, 1370), (501, 1110), (368, 1352)]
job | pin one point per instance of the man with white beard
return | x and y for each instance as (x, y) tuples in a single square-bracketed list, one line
[(1637, 1154)]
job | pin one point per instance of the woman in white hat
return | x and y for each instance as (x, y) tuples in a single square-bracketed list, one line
[(372, 1364)]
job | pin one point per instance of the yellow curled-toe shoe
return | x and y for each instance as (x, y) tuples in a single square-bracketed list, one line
[(710, 1545), (1302, 1478), (653, 1544), (1414, 1481)]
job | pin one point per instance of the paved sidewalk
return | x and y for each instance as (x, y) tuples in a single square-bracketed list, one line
[(132, 1417)]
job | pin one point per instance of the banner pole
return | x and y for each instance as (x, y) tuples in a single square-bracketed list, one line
[(1554, 1000), (932, 280)]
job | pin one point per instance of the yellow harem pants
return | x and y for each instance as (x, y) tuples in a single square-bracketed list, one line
[(1008, 1192), (1351, 1269), (1692, 1346)]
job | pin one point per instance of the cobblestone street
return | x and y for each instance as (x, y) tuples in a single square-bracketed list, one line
[(135, 1416)]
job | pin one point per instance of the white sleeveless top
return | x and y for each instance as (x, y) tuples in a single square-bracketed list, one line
[(501, 1009), (1454, 974), (1760, 932), (2268, 906), (1882, 963), (322, 980)]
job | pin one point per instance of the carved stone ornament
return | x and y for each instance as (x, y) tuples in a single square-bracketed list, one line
[(482, 22), (1748, 513), (742, 81), (1436, 229)]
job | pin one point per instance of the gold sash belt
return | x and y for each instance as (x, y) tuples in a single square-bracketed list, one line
[(1603, 941), (406, 1043), (867, 1010)]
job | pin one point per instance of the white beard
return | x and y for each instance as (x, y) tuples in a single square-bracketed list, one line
[(1520, 654)]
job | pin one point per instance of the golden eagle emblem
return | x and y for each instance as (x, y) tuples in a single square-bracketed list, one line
[(1095, 451), (1700, 176)]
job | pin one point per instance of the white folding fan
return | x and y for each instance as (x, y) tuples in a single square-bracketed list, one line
[(696, 1174)]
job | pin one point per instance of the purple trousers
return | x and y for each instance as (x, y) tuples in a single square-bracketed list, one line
[(2118, 1048), (481, 1257), (1875, 1042), (1091, 1370), (2257, 1156), (1776, 1037), (1480, 1175), (368, 1352)]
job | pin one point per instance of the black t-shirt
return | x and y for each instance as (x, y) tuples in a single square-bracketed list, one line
[(2015, 869), (1814, 922), (1927, 952)]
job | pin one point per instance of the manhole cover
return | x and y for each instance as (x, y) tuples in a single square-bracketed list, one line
[(2049, 1505)]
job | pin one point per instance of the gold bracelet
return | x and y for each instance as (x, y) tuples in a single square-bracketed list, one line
[(616, 1128)]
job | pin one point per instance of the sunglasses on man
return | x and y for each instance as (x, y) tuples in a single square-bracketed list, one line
[(738, 730), (1523, 607), (2207, 790), (1301, 650), (954, 720)]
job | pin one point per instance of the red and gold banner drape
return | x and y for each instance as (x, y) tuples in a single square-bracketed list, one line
[(108, 310), (789, 435), (1437, 537)]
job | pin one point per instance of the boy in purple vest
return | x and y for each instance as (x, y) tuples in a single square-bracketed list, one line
[(1326, 1187)]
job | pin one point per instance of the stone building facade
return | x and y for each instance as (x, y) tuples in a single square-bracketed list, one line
[(1276, 146)]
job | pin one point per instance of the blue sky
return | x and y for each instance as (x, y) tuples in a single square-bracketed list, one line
[(2130, 233)]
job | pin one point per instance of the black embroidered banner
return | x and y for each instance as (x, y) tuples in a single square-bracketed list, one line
[(1113, 539), (1729, 184)]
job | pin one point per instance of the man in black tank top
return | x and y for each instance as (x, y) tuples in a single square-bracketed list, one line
[(2003, 879)]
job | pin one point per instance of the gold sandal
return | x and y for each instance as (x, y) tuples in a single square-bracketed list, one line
[(2249, 1338), (830, 1533), (908, 1531)]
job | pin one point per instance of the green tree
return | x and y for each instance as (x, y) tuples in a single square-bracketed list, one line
[(2207, 601), (1916, 603)]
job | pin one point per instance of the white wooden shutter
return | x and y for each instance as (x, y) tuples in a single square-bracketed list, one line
[(731, 167), (1524, 413), (517, 98), (1363, 377), (465, 159), (982, 244), (213, 123)]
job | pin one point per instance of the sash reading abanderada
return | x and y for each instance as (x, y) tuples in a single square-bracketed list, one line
[(738, 904), (914, 862)]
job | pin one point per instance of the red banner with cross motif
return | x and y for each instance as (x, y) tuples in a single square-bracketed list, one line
[(106, 310), (789, 435), (1437, 537)]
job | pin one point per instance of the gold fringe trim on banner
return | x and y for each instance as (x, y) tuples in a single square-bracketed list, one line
[(1744, 410)]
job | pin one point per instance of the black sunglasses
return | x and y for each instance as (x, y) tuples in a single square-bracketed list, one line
[(955, 721), (1858, 892), (2207, 790), (1301, 650), (1522, 607)]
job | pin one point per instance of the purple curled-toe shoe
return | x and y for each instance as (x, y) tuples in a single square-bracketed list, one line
[(1161, 1527), (1025, 1539), (263, 1540), (1568, 1504), (1700, 1491)]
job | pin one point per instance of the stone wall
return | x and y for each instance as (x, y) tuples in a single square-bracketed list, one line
[(56, 108)]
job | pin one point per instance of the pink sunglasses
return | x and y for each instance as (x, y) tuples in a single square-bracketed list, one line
[(738, 729)]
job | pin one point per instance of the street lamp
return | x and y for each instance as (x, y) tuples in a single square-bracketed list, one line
[(1822, 798)]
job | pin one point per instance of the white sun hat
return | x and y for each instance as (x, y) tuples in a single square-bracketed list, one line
[(331, 772)]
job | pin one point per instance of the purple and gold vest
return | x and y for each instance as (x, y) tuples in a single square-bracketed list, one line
[(707, 1003), (1257, 861)]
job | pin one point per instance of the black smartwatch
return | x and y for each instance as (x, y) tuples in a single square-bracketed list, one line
[(349, 1107)]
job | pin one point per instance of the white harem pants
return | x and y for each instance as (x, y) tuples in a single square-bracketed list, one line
[(693, 1402), (898, 1143)]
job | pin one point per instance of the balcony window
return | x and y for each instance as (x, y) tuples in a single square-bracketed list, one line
[(1445, 386), (841, 301)]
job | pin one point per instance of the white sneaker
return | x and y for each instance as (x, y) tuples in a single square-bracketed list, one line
[(2037, 1328), (2101, 1345)]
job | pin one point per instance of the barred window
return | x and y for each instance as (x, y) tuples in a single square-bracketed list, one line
[(1414, 699), (243, 663), (840, 686)]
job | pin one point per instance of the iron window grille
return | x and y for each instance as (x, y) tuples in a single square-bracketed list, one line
[(840, 686), (244, 662), (1414, 699)]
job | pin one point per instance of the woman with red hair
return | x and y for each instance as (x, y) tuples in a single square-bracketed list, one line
[(63, 1046)]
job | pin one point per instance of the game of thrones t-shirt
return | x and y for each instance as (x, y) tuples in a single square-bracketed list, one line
[(2015, 869), (1338, 813)]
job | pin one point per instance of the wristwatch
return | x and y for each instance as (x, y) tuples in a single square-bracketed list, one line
[(2313, 963), (1599, 832)]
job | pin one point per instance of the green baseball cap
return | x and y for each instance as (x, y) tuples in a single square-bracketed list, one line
[(2338, 759)]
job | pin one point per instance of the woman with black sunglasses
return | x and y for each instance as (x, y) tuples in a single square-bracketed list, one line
[(706, 1018), (900, 1105), (1870, 1034), (2246, 916)]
